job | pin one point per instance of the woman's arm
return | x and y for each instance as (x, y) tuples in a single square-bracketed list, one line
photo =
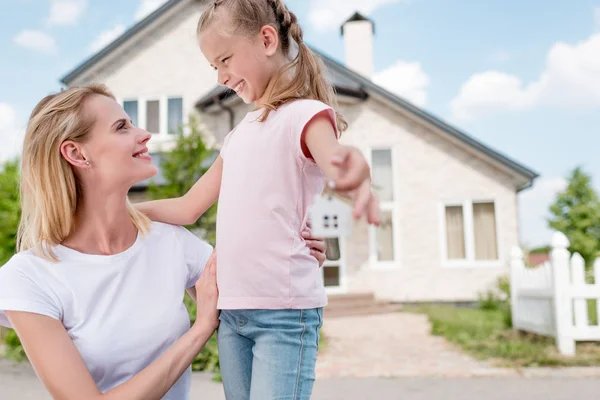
[(64, 373), (186, 210)]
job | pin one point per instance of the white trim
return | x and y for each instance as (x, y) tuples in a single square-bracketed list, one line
[(142, 113), (392, 206), (468, 227), (163, 116), (163, 135)]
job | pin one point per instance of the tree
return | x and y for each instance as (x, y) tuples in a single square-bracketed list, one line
[(10, 209), (10, 213), (181, 168), (576, 213)]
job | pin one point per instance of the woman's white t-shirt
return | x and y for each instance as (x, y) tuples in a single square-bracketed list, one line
[(122, 311)]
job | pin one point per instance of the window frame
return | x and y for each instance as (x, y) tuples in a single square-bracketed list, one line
[(163, 114), (469, 232), (392, 206)]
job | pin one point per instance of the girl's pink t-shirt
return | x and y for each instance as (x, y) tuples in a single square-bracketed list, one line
[(267, 187)]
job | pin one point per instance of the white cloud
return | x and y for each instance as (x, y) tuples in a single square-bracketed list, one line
[(11, 136), (534, 205), (571, 78), (146, 7), (37, 41), (106, 37), (326, 15), (406, 79), (488, 91), (66, 12)]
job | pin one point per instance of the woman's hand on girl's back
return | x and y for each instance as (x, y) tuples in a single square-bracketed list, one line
[(207, 294)]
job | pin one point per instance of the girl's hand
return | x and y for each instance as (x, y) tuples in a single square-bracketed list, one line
[(316, 245), (207, 294), (352, 167), (354, 181)]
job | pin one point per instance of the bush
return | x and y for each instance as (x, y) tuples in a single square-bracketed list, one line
[(498, 299), (208, 359), (14, 349)]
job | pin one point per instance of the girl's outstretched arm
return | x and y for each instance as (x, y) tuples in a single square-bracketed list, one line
[(343, 165), (186, 210)]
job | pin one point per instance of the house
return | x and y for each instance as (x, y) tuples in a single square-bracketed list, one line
[(449, 202)]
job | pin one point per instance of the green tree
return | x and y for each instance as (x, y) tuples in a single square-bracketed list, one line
[(10, 213), (576, 213), (181, 168), (10, 209)]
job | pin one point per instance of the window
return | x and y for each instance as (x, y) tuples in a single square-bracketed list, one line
[(131, 108), (470, 231), (382, 174), (175, 115), (159, 115), (383, 237), (153, 116), (455, 233), (331, 268), (484, 231)]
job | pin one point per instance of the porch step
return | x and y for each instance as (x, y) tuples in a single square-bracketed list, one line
[(357, 304)]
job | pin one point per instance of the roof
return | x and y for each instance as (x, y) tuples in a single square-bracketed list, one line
[(344, 79), (87, 64)]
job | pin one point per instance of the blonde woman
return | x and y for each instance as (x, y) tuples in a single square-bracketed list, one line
[(96, 290)]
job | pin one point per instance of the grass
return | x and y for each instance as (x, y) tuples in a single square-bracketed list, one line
[(485, 335)]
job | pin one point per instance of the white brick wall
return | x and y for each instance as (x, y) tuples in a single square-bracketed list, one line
[(429, 170), (166, 62)]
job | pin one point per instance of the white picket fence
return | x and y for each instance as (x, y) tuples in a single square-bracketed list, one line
[(551, 299)]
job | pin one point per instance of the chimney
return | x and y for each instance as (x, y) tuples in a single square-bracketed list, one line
[(358, 43)]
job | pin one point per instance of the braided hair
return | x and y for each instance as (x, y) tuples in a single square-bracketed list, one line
[(307, 79)]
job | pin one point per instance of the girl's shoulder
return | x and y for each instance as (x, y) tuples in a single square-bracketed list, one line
[(303, 104)]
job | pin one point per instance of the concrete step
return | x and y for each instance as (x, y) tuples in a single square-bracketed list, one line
[(357, 304), (372, 309), (343, 300)]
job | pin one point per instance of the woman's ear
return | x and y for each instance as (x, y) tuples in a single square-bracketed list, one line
[(269, 39), (73, 153)]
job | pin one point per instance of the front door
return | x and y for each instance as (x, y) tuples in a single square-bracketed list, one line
[(333, 268)]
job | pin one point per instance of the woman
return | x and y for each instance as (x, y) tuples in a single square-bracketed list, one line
[(96, 290)]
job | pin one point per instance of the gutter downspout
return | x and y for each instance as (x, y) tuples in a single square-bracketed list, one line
[(229, 110)]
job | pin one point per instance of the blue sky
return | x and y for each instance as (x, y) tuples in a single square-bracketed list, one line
[(521, 76)]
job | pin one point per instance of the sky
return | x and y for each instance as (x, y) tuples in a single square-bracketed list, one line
[(523, 77)]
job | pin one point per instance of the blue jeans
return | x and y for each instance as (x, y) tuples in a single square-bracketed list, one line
[(269, 354)]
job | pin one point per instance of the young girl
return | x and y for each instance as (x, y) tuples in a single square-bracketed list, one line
[(270, 168)]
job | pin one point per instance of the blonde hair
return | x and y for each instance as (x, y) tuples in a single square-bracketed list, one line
[(50, 190), (308, 80)]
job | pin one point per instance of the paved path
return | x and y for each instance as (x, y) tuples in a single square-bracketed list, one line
[(387, 345), (362, 350), (21, 384)]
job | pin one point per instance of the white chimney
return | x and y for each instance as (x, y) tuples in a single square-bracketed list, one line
[(358, 43)]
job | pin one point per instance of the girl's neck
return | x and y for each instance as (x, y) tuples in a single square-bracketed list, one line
[(102, 224)]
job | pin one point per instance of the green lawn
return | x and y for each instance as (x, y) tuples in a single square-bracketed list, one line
[(485, 335)]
